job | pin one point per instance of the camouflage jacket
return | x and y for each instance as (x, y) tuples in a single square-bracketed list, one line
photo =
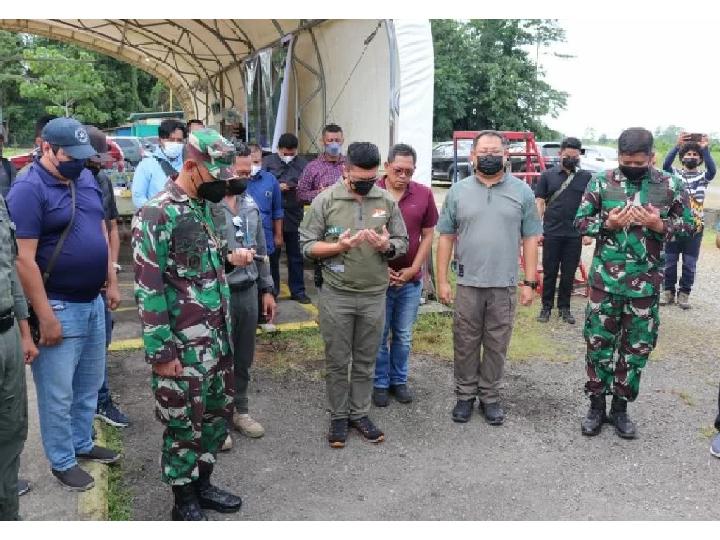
[(630, 261), (180, 283)]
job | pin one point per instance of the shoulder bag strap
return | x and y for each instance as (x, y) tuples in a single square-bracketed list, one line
[(63, 236)]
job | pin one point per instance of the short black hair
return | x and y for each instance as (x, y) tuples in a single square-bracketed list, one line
[(332, 128), (288, 140), (491, 133), (401, 149), (168, 127), (691, 146), (194, 121), (571, 142), (42, 122), (241, 149), (364, 155), (635, 140)]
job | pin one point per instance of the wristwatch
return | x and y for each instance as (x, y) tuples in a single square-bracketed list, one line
[(532, 284)]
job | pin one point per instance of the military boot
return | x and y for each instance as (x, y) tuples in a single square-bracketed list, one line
[(213, 498), (187, 507), (624, 427), (592, 423)]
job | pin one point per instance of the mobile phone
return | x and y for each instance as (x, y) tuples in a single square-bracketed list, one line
[(694, 137)]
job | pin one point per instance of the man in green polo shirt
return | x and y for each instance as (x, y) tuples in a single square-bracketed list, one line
[(354, 229), (487, 216)]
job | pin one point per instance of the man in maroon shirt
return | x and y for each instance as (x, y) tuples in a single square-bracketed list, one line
[(325, 170), (418, 209)]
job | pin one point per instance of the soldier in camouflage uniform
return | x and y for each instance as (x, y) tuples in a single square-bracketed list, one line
[(631, 211), (182, 294)]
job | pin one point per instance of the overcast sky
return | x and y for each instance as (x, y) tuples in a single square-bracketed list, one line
[(636, 73)]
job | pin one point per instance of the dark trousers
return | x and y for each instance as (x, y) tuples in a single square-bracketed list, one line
[(563, 255), (689, 248), (296, 279), (244, 316)]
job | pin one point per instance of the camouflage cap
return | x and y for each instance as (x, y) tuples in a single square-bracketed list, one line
[(217, 152)]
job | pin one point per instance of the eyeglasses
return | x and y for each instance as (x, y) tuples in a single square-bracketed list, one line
[(400, 171)]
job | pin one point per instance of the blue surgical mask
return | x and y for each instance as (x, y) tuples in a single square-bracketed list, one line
[(173, 149), (71, 169), (333, 148)]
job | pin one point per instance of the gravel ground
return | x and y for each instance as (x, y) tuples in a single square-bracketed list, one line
[(537, 466)]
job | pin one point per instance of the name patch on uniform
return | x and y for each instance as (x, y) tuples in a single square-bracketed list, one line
[(379, 212), (337, 268)]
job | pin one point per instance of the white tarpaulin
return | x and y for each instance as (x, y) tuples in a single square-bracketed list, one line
[(282, 113), (415, 101)]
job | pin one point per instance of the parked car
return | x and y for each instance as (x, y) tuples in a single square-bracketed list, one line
[(150, 144), (21, 160), (599, 158), (132, 148), (443, 161)]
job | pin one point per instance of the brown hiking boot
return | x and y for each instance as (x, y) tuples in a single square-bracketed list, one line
[(683, 300)]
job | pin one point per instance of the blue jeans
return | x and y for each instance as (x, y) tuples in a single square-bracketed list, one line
[(401, 307), (104, 393), (67, 379), (690, 250)]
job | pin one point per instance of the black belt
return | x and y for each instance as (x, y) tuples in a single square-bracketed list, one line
[(242, 286), (7, 320)]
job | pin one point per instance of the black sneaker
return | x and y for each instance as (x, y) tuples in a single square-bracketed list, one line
[(380, 397), (401, 393), (544, 315), (23, 487), (463, 410), (368, 430), (493, 412), (301, 299), (338, 432), (74, 479), (101, 455), (111, 415)]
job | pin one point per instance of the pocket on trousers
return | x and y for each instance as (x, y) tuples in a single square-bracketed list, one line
[(172, 403)]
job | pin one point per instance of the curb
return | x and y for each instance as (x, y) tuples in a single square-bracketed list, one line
[(93, 504)]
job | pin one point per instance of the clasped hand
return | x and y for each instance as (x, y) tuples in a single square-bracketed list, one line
[(380, 242), (647, 216)]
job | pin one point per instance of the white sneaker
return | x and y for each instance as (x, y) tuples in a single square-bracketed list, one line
[(268, 328), (247, 426)]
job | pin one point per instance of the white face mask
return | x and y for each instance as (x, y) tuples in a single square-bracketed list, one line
[(254, 170), (173, 149), (287, 159)]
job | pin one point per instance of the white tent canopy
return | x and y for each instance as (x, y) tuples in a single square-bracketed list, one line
[(372, 77)]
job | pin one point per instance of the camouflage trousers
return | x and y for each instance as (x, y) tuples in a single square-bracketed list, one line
[(622, 325), (195, 411)]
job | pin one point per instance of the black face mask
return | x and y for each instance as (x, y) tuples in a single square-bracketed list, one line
[(691, 163), (362, 187), (489, 165), (570, 163), (633, 173), (213, 191), (237, 186)]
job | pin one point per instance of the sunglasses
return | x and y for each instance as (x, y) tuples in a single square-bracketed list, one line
[(401, 171)]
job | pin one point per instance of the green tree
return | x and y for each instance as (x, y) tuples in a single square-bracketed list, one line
[(486, 78), (67, 80)]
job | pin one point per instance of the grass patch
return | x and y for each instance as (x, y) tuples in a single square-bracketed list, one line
[(9, 152), (432, 335), (298, 351), (119, 496)]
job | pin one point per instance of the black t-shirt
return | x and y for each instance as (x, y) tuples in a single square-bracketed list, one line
[(559, 216)]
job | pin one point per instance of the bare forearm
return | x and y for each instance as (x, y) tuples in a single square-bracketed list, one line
[(445, 245), (540, 204), (114, 241), (423, 250), (24, 329), (277, 227), (530, 256)]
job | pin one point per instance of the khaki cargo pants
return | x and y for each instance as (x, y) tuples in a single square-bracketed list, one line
[(482, 327)]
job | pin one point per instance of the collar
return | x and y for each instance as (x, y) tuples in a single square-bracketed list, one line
[(45, 175), (503, 179), (382, 183), (176, 193)]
